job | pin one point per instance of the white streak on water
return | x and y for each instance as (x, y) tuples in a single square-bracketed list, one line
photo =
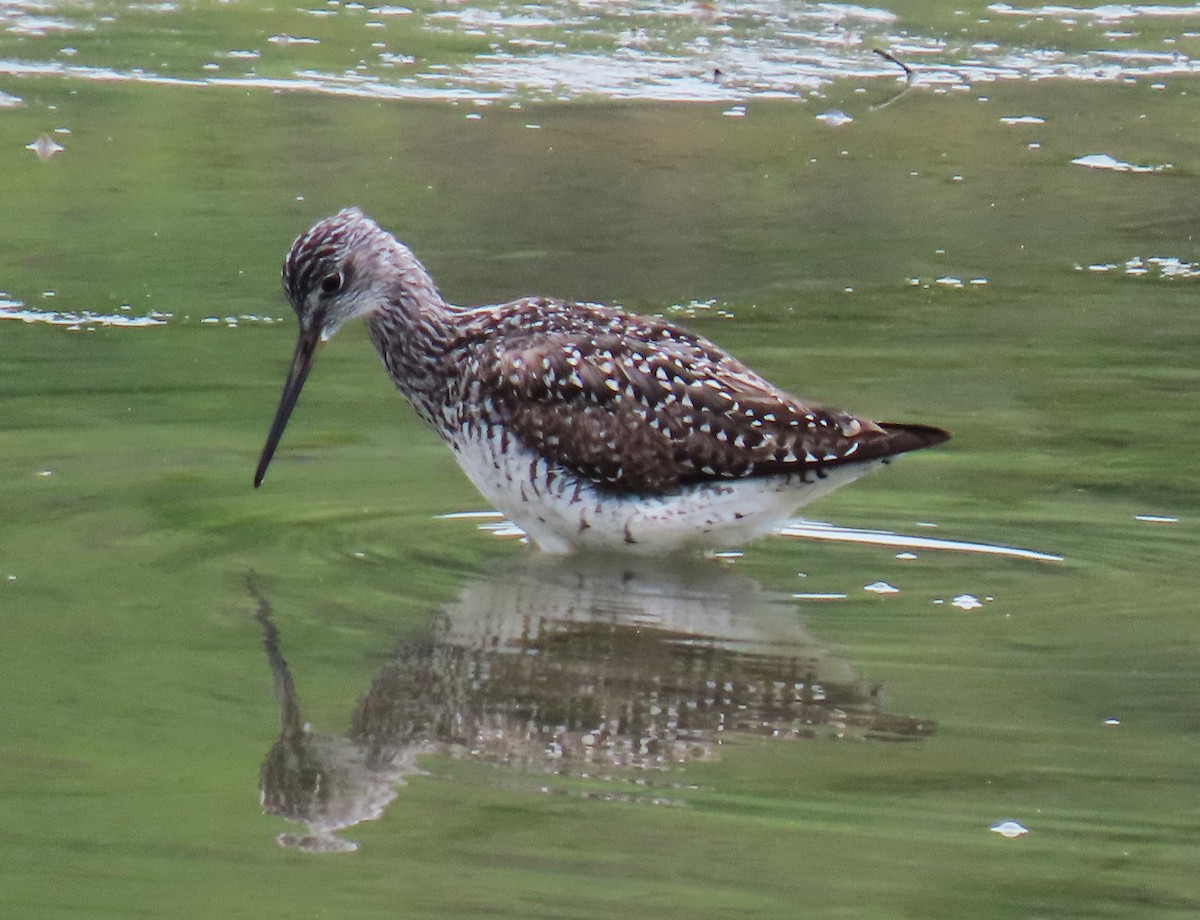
[(505, 529), (816, 530), (14, 309), (76, 320), (1105, 161), (1108, 12)]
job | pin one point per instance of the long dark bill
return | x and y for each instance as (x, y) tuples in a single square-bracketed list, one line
[(306, 346)]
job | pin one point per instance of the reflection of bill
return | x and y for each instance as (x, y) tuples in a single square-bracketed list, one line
[(569, 667)]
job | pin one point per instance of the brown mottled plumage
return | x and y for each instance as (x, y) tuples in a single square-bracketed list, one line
[(653, 406), (600, 405)]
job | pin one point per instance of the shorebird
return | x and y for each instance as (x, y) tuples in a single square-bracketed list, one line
[(586, 425)]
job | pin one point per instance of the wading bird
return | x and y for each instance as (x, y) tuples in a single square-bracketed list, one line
[(586, 425)]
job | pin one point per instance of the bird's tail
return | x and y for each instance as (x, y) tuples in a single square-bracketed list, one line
[(900, 439)]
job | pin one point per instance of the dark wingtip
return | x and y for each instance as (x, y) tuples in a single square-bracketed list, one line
[(903, 438)]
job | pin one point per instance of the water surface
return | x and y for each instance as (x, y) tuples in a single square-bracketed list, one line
[(196, 671)]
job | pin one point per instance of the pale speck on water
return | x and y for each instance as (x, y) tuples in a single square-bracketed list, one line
[(284, 40), (1009, 829), (881, 587), (45, 147), (835, 118)]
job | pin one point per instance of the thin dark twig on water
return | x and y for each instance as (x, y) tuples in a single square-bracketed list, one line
[(888, 56), (909, 76)]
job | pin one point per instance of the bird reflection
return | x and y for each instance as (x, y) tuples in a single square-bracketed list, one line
[(569, 667)]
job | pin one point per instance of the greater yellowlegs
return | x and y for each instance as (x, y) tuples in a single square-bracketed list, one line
[(586, 425)]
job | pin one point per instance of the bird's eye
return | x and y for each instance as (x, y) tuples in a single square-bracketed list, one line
[(332, 283)]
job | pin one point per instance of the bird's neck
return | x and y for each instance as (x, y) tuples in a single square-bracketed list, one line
[(412, 330)]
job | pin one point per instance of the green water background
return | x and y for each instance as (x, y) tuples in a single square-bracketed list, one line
[(136, 706)]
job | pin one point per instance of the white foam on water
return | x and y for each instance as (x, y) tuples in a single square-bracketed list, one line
[(1107, 12), (881, 587), (692, 52), (1105, 161), (76, 320), (835, 118), (1009, 829), (16, 310)]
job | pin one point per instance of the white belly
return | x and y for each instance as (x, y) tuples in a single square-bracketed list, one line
[(561, 512)]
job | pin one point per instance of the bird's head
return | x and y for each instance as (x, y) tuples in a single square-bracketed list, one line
[(330, 275)]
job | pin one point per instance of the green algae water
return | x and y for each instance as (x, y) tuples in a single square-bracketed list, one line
[(354, 692)]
